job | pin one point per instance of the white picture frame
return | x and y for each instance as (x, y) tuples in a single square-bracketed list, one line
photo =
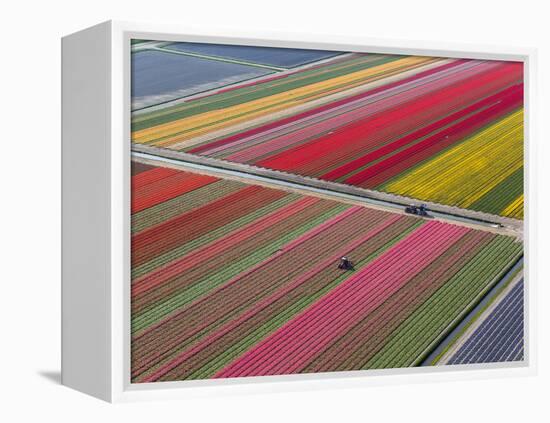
[(96, 155)]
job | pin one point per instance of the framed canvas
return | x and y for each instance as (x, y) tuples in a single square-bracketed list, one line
[(247, 213)]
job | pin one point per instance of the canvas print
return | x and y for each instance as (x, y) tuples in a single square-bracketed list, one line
[(308, 211)]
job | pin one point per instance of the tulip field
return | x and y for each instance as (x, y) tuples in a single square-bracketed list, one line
[(448, 131), (234, 279), (500, 336)]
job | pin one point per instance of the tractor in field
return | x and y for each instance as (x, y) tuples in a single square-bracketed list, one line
[(345, 264), (421, 210)]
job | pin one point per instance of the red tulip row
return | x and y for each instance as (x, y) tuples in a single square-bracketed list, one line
[(345, 143)]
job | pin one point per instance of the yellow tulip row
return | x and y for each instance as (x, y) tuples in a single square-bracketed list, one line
[(463, 174), (515, 208)]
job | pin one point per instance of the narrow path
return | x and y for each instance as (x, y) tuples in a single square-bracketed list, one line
[(338, 191), (161, 46), (217, 58), (148, 45)]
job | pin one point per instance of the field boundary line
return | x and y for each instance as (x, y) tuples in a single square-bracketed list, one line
[(217, 58)]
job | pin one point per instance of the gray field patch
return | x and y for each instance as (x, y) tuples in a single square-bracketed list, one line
[(158, 77)]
